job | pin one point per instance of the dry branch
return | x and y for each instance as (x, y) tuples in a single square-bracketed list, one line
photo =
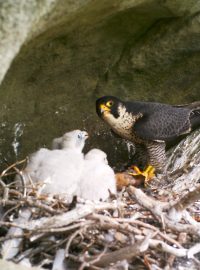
[(65, 219), (188, 199), (140, 223), (157, 210), (125, 253)]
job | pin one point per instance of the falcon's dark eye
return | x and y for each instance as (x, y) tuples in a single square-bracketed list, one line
[(109, 103)]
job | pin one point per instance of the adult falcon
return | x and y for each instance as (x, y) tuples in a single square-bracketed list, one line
[(149, 125)]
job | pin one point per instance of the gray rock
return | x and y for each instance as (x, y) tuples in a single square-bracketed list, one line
[(59, 56)]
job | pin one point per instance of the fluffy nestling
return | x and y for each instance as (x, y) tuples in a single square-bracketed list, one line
[(98, 178), (59, 169)]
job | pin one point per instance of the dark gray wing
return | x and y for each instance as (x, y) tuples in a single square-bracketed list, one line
[(194, 113), (161, 122)]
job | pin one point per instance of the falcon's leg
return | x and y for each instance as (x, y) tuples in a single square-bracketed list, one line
[(156, 153), (156, 161), (141, 156), (148, 173), (157, 157), (142, 161)]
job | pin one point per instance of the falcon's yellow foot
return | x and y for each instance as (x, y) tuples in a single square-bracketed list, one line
[(148, 173)]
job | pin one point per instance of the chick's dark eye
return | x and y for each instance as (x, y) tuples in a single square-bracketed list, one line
[(79, 136), (109, 103)]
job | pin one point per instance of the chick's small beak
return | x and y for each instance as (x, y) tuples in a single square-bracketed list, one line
[(104, 108), (86, 135)]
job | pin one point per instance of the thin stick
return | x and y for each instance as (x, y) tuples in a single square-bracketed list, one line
[(12, 165)]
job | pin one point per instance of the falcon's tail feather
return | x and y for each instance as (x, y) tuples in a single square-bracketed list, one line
[(192, 106), (195, 113), (195, 119)]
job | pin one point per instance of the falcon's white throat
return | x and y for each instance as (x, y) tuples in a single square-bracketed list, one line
[(123, 124)]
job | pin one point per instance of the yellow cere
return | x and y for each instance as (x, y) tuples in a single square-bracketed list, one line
[(104, 108)]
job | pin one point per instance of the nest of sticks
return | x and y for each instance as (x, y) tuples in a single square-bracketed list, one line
[(142, 228)]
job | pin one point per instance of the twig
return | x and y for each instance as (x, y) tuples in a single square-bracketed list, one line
[(29, 202), (66, 218), (149, 203), (189, 198), (178, 252), (115, 221), (163, 235), (182, 240), (71, 238), (153, 206), (5, 191), (92, 263), (11, 166), (63, 229), (21, 175), (125, 253), (10, 210), (112, 224), (4, 238), (181, 252)]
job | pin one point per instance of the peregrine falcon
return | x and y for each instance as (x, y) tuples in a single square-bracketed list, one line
[(149, 125)]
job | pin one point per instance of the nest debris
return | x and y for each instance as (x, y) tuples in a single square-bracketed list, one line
[(151, 228)]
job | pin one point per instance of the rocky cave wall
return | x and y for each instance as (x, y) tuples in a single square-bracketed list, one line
[(57, 57)]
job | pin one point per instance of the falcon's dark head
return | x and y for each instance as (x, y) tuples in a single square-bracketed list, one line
[(117, 115), (108, 105)]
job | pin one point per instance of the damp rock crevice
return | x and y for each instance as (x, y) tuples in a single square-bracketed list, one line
[(58, 56)]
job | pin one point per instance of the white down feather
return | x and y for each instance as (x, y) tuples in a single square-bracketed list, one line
[(97, 178), (60, 170)]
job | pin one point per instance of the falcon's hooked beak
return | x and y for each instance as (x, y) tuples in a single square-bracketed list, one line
[(104, 108)]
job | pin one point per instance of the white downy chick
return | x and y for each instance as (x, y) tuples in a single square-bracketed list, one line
[(98, 177), (73, 139), (59, 169)]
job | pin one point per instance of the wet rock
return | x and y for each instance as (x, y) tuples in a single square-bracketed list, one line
[(58, 56)]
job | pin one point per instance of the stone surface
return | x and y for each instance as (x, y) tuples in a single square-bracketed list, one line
[(62, 55)]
